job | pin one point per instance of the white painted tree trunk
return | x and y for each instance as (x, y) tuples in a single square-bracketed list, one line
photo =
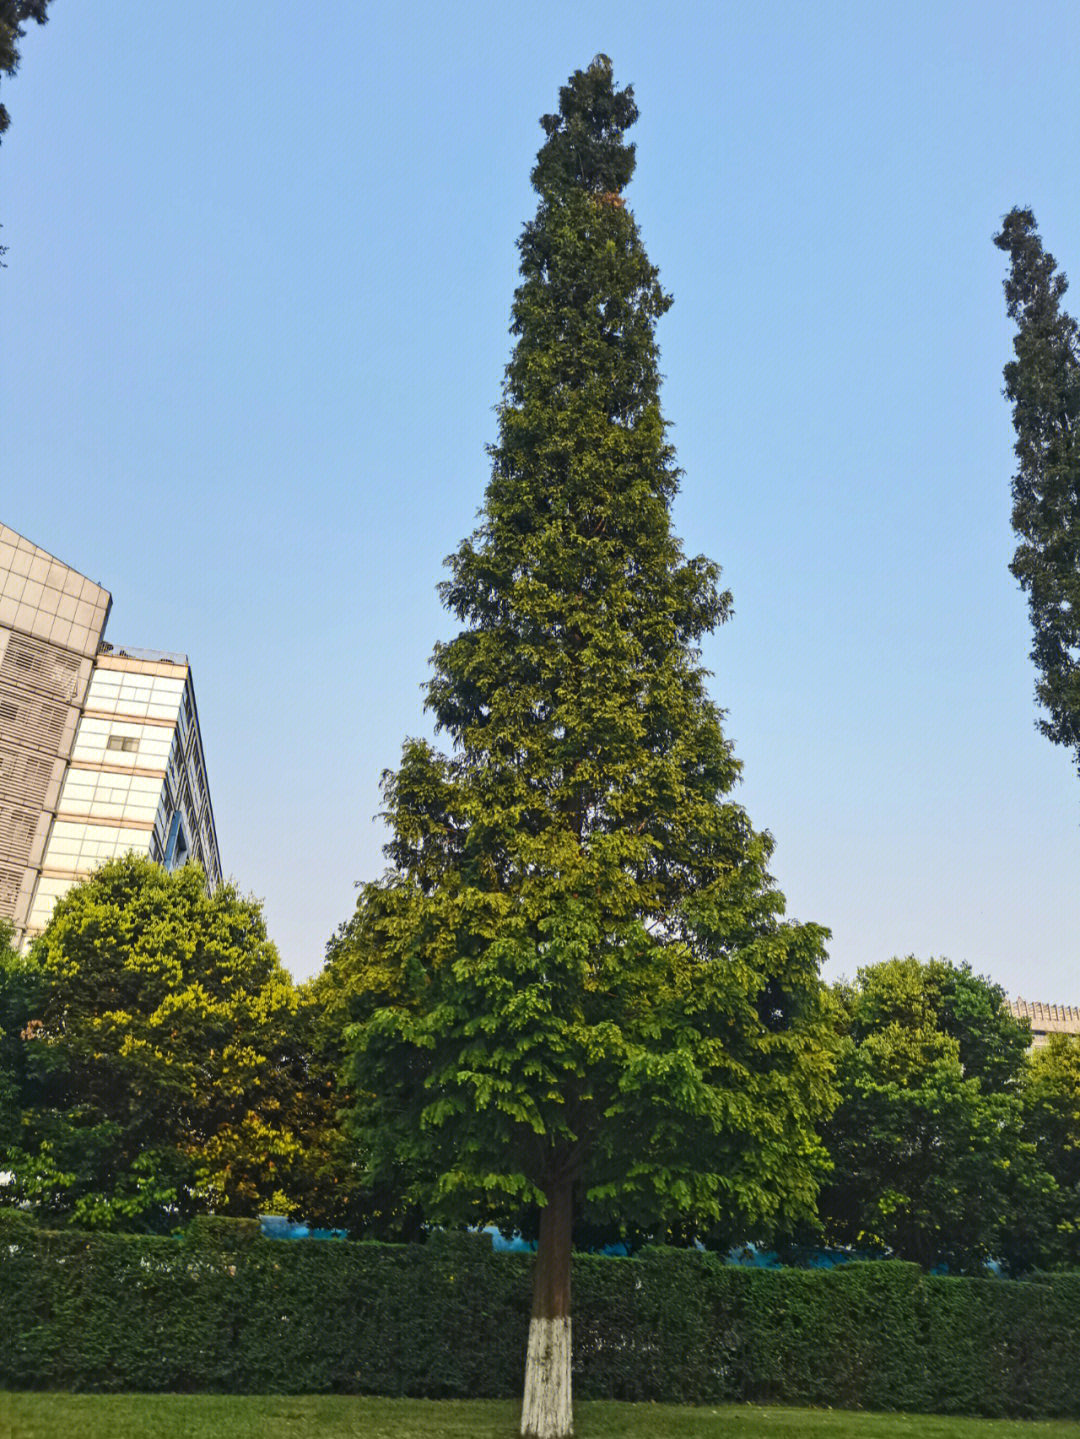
[(547, 1412)]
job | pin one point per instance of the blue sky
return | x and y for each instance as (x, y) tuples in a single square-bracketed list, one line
[(255, 321)]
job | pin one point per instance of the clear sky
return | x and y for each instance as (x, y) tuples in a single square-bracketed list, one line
[(254, 325)]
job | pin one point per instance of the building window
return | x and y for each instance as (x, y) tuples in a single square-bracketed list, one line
[(124, 742)]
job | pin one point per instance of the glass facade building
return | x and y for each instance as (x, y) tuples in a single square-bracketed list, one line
[(100, 747)]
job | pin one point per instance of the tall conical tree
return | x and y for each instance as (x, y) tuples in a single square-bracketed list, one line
[(1043, 382), (577, 988)]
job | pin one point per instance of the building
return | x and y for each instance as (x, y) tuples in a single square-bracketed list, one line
[(100, 747), (1046, 1019)]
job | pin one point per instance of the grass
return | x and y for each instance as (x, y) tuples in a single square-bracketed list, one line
[(211, 1416)]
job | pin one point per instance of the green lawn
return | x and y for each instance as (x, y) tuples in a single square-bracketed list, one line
[(202, 1416)]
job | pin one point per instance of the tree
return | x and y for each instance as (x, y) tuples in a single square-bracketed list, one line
[(13, 17), (1052, 1124), (577, 990), (19, 992), (1043, 382), (375, 1208), (160, 1069), (930, 1160)]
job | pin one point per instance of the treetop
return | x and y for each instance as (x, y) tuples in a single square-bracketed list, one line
[(585, 148), (1033, 283), (1043, 383)]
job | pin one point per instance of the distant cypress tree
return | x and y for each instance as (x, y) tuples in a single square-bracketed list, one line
[(1043, 382), (576, 987)]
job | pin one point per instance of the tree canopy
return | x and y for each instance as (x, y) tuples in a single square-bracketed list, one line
[(1043, 382), (930, 1158), (18, 997), (153, 1057), (1052, 1125)]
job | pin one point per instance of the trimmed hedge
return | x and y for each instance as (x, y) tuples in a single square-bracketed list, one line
[(225, 1310)]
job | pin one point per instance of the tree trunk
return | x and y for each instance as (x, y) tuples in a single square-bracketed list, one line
[(547, 1412)]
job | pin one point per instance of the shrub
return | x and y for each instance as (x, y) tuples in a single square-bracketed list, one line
[(224, 1310)]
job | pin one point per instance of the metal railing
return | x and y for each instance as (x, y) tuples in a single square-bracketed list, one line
[(155, 657)]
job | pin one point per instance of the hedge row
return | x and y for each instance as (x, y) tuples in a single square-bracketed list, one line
[(226, 1310)]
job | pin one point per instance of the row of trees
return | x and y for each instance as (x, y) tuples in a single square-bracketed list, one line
[(156, 1061)]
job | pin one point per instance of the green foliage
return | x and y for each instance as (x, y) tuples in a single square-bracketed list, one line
[(224, 1310), (13, 17), (155, 1056), (930, 1158), (1052, 1125), (993, 1346), (585, 148), (577, 970), (346, 1194), (19, 992), (1043, 382)]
